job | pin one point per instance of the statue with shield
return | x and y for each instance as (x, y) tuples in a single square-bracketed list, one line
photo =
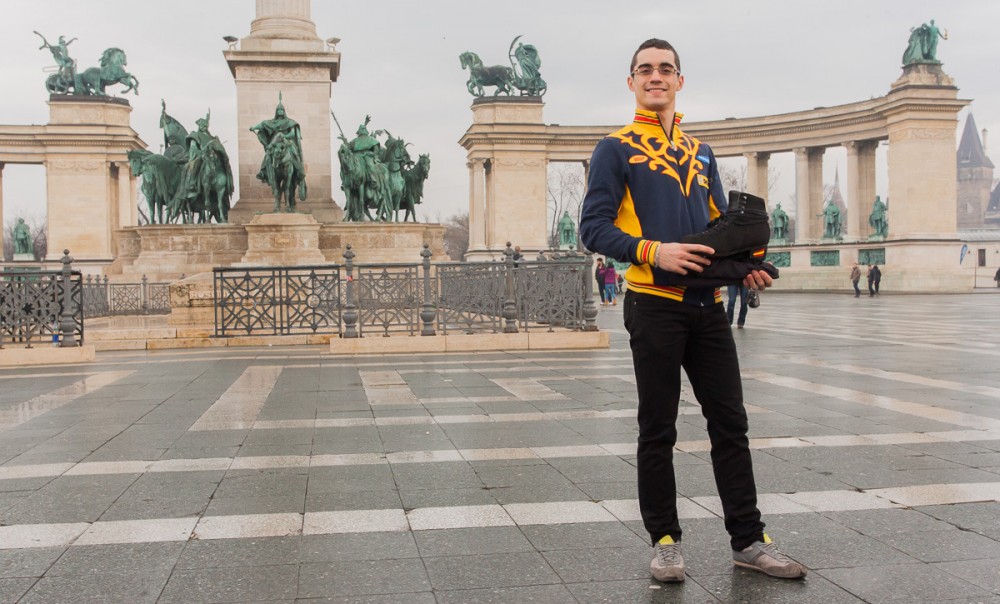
[(282, 168)]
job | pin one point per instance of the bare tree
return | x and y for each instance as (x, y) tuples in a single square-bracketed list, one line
[(456, 235), (736, 179), (565, 188)]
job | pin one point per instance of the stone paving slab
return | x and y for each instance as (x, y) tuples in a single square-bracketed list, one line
[(288, 474)]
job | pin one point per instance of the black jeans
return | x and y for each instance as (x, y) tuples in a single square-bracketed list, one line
[(666, 335), (857, 290)]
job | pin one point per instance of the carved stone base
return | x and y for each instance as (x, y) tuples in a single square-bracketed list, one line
[(282, 240), (324, 211)]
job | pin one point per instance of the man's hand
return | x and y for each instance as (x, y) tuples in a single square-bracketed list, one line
[(683, 257), (758, 280)]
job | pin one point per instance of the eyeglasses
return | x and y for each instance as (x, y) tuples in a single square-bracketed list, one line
[(665, 69)]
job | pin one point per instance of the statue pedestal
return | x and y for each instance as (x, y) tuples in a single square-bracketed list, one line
[(24, 258), (282, 240)]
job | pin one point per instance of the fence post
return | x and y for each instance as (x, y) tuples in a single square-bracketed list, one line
[(589, 306), (428, 311), (350, 309), (509, 308), (67, 324), (144, 296)]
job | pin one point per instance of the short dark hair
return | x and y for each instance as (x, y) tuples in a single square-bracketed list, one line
[(655, 43)]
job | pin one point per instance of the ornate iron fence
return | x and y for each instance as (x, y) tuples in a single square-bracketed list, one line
[(42, 306), (353, 300), (277, 300), (102, 298)]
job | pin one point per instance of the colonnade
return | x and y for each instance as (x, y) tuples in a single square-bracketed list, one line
[(509, 148)]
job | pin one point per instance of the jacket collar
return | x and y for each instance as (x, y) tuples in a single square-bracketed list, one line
[(643, 116)]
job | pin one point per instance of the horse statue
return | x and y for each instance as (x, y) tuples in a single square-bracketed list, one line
[(93, 81), (414, 189), (161, 177), (283, 173), (479, 75), (208, 187), (395, 158)]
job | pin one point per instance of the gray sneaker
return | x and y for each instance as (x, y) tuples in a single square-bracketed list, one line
[(668, 563), (767, 558)]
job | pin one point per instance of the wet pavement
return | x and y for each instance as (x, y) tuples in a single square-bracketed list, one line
[(289, 475)]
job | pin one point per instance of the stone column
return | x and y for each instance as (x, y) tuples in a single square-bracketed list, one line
[(860, 187), (488, 200), (923, 177), (586, 176), (477, 205), (803, 230), (757, 173), (283, 54), (816, 191)]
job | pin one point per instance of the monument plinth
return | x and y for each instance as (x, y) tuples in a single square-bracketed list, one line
[(284, 54), (282, 240)]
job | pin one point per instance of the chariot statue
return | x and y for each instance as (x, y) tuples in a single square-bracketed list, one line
[(89, 82), (522, 75)]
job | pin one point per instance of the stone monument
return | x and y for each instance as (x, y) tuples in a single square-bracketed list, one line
[(284, 53)]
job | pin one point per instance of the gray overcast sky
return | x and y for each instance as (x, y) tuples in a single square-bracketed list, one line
[(400, 64)]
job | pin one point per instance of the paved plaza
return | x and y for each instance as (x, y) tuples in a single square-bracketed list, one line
[(290, 475)]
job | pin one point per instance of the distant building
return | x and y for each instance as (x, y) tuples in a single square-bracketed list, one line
[(975, 177)]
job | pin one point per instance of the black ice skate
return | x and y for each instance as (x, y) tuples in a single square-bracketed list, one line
[(743, 230)]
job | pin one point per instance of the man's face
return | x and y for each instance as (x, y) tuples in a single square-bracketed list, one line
[(655, 92)]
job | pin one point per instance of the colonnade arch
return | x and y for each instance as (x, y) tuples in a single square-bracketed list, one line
[(509, 146), (90, 191)]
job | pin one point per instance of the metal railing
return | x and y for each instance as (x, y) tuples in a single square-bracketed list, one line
[(353, 300), (104, 299), (39, 306)]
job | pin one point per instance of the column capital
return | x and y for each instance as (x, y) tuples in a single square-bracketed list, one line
[(758, 154)]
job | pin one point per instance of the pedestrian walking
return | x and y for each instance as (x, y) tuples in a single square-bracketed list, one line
[(876, 278), (610, 282), (871, 282), (634, 214), (599, 279), (734, 291), (855, 278)]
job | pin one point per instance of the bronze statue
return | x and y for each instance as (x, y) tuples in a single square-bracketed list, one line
[(377, 177), (22, 238), (779, 223), (878, 219), (90, 82), (523, 73), (922, 45), (567, 232), (61, 81), (831, 221), (282, 167), (208, 180)]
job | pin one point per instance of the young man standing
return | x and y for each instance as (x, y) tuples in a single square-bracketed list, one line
[(651, 184)]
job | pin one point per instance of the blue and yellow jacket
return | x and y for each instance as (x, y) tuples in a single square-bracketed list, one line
[(650, 183)]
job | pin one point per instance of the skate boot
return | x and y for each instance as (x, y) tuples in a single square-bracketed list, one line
[(743, 230)]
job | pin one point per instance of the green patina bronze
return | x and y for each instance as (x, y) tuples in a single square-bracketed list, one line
[(380, 178), (779, 259), (90, 82), (191, 181), (779, 224), (523, 74), (871, 256), (824, 258), (22, 238), (567, 232), (282, 168), (922, 45), (831, 221), (207, 183), (878, 219)]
